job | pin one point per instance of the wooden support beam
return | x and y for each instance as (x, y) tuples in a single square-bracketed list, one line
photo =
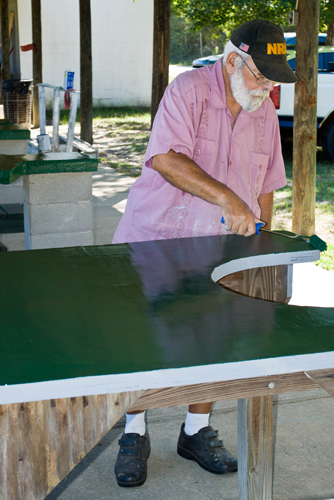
[(161, 39), (37, 63), (305, 118), (223, 391), (5, 40), (41, 442), (255, 448), (325, 378), (86, 85)]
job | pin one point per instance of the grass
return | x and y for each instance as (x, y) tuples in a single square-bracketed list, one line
[(324, 201), (138, 116), (327, 259)]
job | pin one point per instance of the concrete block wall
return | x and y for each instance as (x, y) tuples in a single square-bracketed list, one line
[(122, 48), (58, 210)]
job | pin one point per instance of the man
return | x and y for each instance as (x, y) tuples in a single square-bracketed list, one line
[(214, 155)]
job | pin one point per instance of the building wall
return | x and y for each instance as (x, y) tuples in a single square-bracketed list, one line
[(122, 46)]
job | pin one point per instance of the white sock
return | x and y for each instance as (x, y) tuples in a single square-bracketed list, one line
[(195, 421), (135, 423)]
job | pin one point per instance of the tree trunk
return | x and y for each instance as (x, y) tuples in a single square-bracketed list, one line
[(5, 40), (36, 56), (305, 118), (330, 34), (86, 87), (161, 39)]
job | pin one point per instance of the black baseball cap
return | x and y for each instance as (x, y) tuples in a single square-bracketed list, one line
[(265, 42)]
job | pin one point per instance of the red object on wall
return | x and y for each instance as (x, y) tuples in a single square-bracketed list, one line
[(26, 48), (67, 99)]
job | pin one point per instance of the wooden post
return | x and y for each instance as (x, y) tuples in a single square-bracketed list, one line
[(255, 448), (86, 87), (5, 40), (305, 118), (36, 56), (161, 38)]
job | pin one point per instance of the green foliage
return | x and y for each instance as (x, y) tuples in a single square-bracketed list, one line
[(229, 14), (185, 41), (326, 14)]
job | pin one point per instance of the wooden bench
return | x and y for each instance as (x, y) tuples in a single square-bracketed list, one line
[(90, 332), (57, 193)]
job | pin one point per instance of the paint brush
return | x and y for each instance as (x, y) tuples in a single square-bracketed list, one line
[(258, 225), (314, 240)]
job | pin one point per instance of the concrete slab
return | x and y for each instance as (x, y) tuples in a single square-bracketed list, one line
[(110, 192), (304, 461)]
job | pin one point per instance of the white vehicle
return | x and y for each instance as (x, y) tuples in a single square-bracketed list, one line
[(283, 98)]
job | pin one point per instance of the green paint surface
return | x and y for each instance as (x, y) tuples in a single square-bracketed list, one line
[(113, 309), (13, 166), (11, 132)]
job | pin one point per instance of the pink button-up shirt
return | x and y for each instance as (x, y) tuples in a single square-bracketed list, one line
[(193, 119)]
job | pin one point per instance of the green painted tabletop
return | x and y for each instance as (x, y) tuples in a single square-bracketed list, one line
[(11, 132), (13, 166), (114, 309)]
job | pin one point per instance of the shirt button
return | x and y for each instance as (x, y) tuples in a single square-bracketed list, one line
[(199, 151)]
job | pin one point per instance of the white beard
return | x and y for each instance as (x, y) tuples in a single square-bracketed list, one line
[(249, 100)]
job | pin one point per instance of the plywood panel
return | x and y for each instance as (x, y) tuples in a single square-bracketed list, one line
[(41, 442), (272, 283)]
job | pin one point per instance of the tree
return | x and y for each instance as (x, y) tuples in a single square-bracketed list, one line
[(161, 38), (86, 86), (230, 14)]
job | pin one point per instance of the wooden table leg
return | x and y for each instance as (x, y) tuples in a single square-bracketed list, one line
[(255, 448)]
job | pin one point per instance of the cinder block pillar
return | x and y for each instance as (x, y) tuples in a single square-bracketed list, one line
[(58, 210)]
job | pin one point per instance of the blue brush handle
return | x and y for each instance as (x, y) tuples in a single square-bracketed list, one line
[(257, 226)]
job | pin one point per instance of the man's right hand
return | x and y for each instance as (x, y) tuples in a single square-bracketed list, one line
[(237, 217)]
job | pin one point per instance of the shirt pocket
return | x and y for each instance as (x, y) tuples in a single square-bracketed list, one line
[(205, 154), (258, 170)]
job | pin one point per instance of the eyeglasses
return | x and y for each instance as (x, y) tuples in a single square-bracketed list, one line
[(259, 80)]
